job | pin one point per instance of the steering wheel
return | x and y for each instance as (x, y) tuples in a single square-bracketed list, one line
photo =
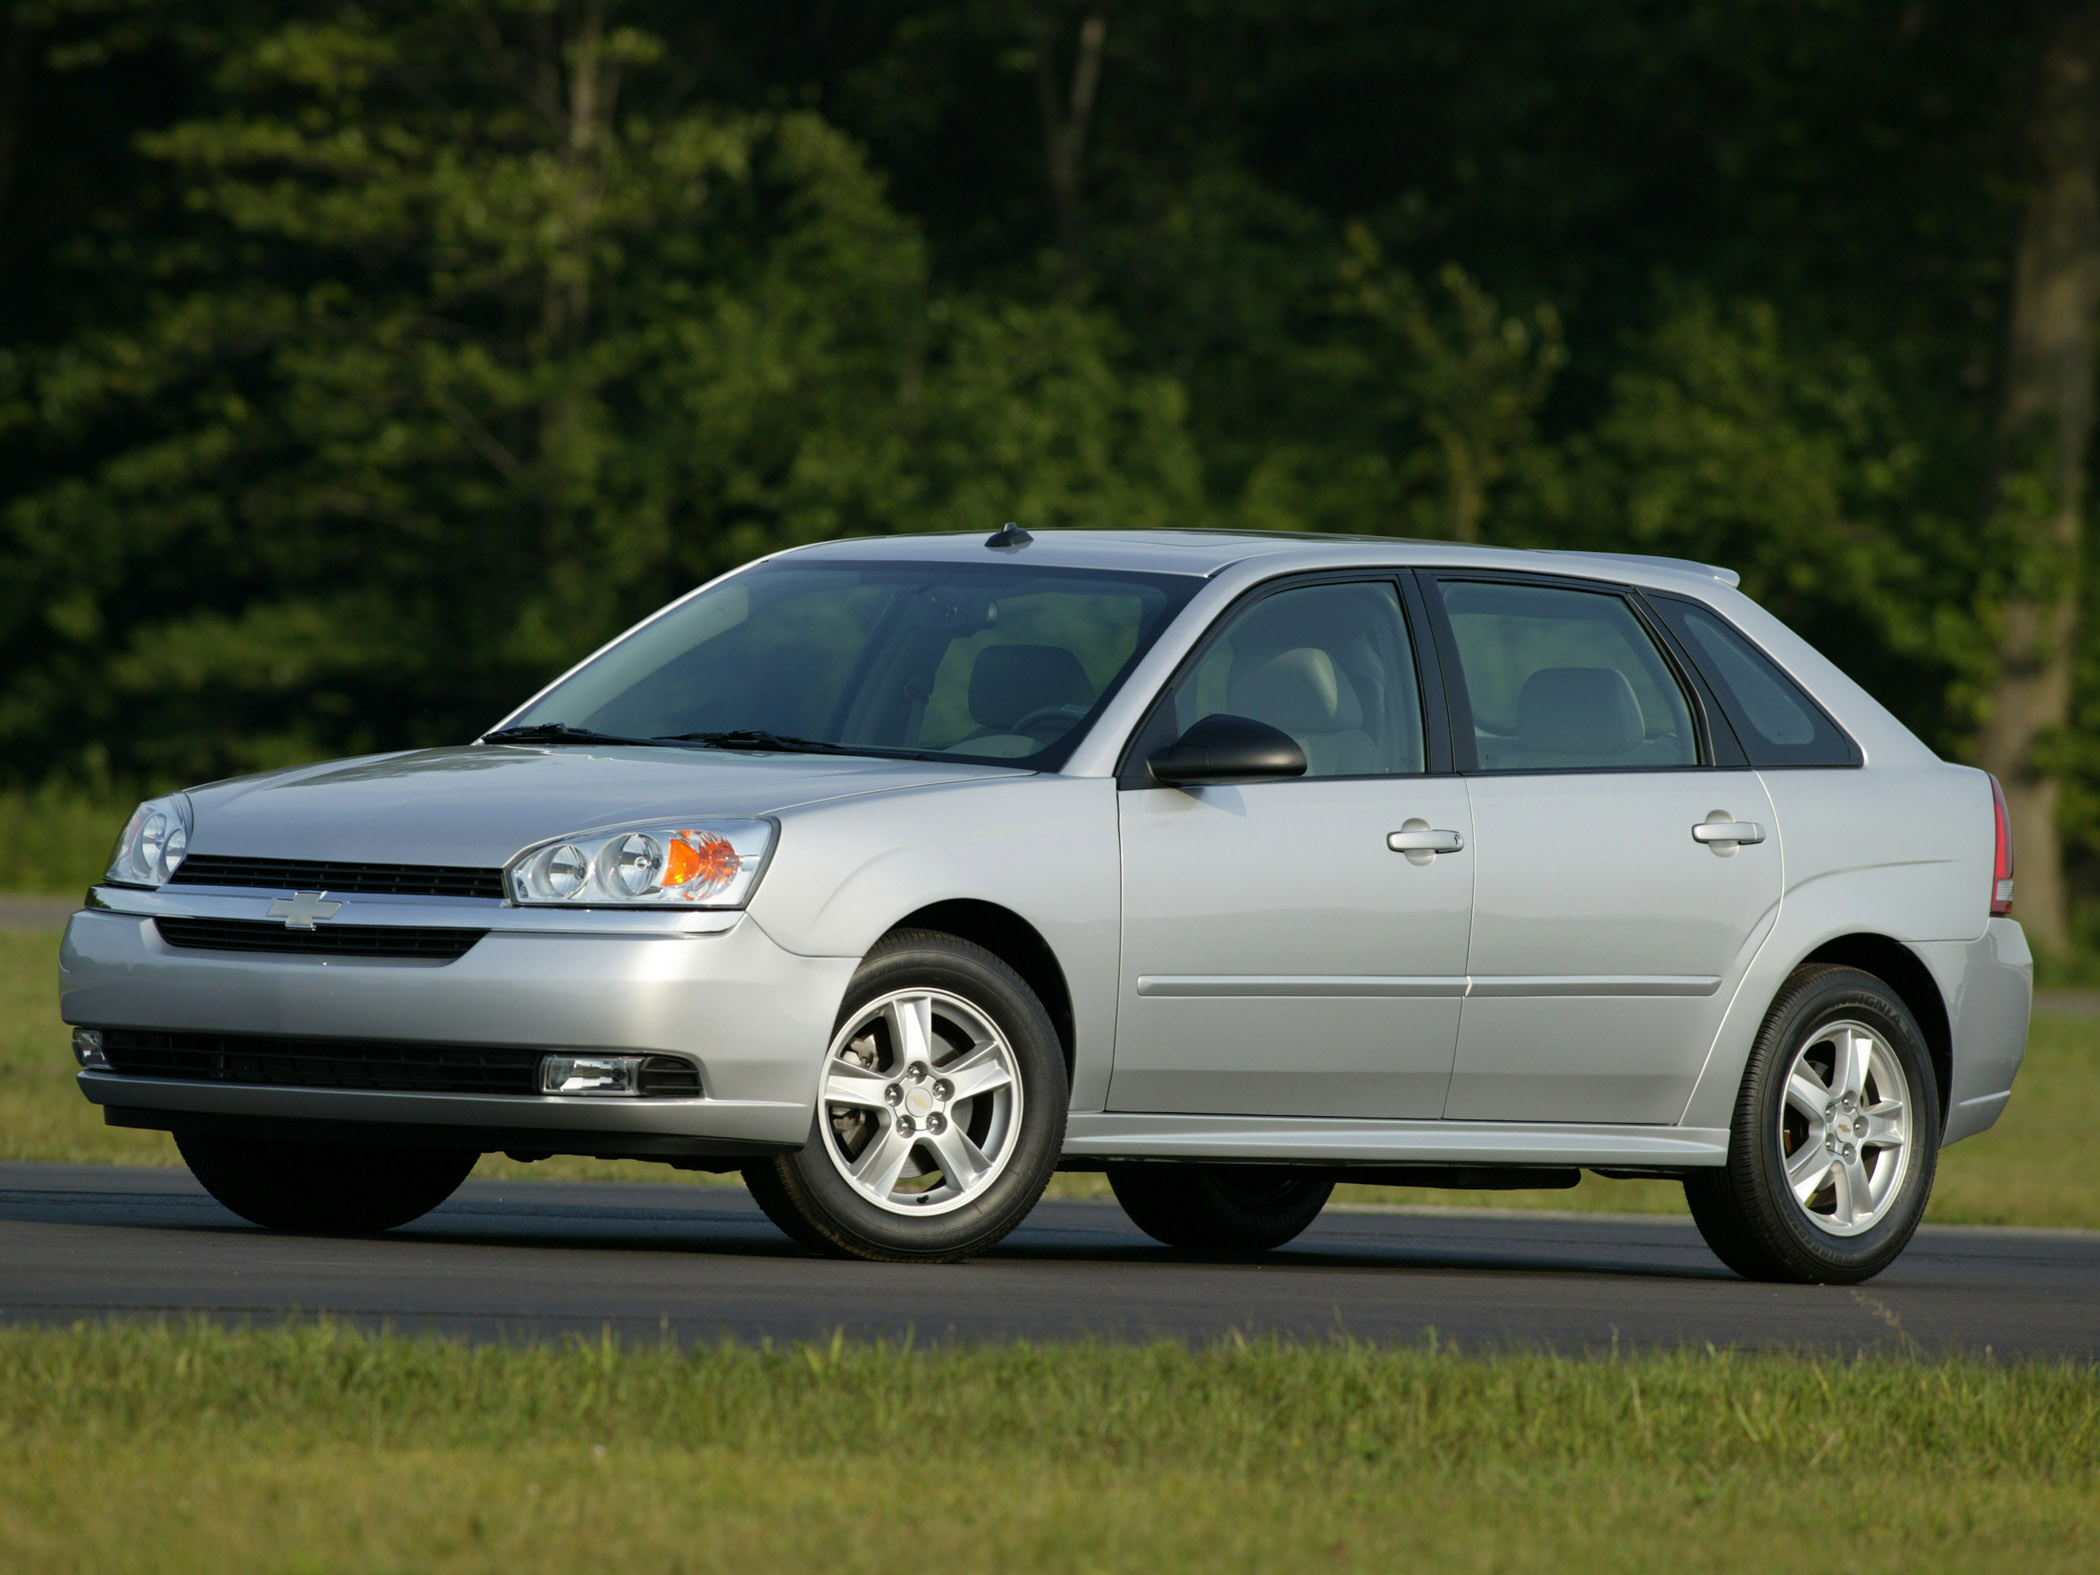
[(1043, 713), (1021, 724)]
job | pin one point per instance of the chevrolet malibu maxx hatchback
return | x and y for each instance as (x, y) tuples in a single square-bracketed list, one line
[(898, 873)]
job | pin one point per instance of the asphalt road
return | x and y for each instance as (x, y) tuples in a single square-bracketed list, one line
[(35, 912), (541, 1259)]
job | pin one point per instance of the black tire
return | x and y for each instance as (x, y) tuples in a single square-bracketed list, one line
[(771, 1195), (1220, 1208), (805, 1194), (351, 1189), (1746, 1210)]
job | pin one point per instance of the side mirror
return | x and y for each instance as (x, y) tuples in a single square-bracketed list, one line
[(1226, 748)]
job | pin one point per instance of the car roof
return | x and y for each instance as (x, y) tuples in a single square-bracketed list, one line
[(1206, 553)]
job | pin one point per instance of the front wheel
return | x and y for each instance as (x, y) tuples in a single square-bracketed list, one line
[(940, 1110), (1835, 1138), (352, 1189), (1220, 1208)]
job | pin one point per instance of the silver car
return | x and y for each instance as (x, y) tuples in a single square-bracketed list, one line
[(897, 874)]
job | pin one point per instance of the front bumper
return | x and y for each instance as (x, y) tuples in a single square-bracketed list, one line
[(752, 1016)]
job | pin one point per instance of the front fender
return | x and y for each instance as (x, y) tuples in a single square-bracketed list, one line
[(1043, 847)]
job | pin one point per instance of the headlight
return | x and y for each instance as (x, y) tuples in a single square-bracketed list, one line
[(693, 864), (154, 841)]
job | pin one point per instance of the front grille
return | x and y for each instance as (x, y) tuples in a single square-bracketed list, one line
[(329, 940), (385, 1065), (364, 880)]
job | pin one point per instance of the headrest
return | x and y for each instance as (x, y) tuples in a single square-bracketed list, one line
[(1009, 681), (1298, 690), (1578, 711)]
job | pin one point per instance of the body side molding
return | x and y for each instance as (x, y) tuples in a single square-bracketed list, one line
[(1309, 1140), (1214, 986)]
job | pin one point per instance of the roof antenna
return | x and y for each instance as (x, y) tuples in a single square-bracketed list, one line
[(1007, 536)]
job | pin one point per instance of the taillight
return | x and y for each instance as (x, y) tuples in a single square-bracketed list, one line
[(2002, 859)]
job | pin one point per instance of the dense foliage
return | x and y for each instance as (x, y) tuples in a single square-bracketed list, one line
[(363, 363)]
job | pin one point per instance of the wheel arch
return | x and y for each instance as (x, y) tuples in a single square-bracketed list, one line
[(1904, 972), (1015, 942)]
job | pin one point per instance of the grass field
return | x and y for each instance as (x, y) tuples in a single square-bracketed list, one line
[(60, 838), (2034, 1168), (184, 1449)]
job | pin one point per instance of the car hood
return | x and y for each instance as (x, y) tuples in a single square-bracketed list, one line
[(479, 804)]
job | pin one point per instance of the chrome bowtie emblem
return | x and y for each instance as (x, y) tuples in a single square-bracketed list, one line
[(303, 907)]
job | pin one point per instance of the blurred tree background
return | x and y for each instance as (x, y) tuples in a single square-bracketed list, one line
[(363, 364)]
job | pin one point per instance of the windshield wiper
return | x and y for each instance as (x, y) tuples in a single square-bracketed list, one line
[(751, 738), (561, 733), (759, 738)]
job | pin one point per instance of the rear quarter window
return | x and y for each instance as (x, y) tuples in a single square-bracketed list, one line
[(1775, 719)]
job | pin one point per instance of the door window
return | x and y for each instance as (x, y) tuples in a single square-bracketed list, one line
[(1564, 680), (1328, 664)]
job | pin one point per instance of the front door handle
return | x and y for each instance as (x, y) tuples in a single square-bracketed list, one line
[(1724, 836), (1422, 842)]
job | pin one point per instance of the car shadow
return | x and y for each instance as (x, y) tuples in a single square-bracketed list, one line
[(733, 1238), (727, 1229)]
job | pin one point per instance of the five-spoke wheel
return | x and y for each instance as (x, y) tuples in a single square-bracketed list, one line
[(940, 1113), (922, 1101), (1844, 1127), (1835, 1137)]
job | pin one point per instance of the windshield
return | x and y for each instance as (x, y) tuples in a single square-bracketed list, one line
[(996, 661)]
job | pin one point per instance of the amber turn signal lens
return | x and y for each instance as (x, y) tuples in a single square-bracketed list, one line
[(700, 864)]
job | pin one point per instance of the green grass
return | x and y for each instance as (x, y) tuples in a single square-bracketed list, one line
[(2034, 1168), (185, 1449), (59, 838)]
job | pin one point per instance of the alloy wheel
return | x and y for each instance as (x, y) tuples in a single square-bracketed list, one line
[(922, 1102), (1845, 1128)]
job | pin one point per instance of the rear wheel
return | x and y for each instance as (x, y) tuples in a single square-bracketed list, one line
[(1220, 1208), (326, 1188), (1835, 1138), (940, 1114)]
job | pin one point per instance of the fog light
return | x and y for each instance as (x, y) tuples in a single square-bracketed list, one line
[(590, 1074), (87, 1047)]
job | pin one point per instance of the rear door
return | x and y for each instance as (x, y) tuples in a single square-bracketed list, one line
[(1279, 956), (1625, 869)]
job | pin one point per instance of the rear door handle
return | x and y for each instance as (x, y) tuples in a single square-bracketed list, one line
[(1419, 840), (1731, 833)]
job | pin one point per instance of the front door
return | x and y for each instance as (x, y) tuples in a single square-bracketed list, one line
[(1622, 883), (1280, 957)]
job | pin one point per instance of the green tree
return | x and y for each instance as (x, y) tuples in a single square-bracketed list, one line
[(1727, 443), (2038, 478), (1432, 397), (359, 364), (477, 343)]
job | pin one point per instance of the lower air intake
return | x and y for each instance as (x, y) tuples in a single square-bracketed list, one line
[(385, 1065)]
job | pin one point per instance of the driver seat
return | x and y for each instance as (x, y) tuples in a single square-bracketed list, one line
[(1305, 694)]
